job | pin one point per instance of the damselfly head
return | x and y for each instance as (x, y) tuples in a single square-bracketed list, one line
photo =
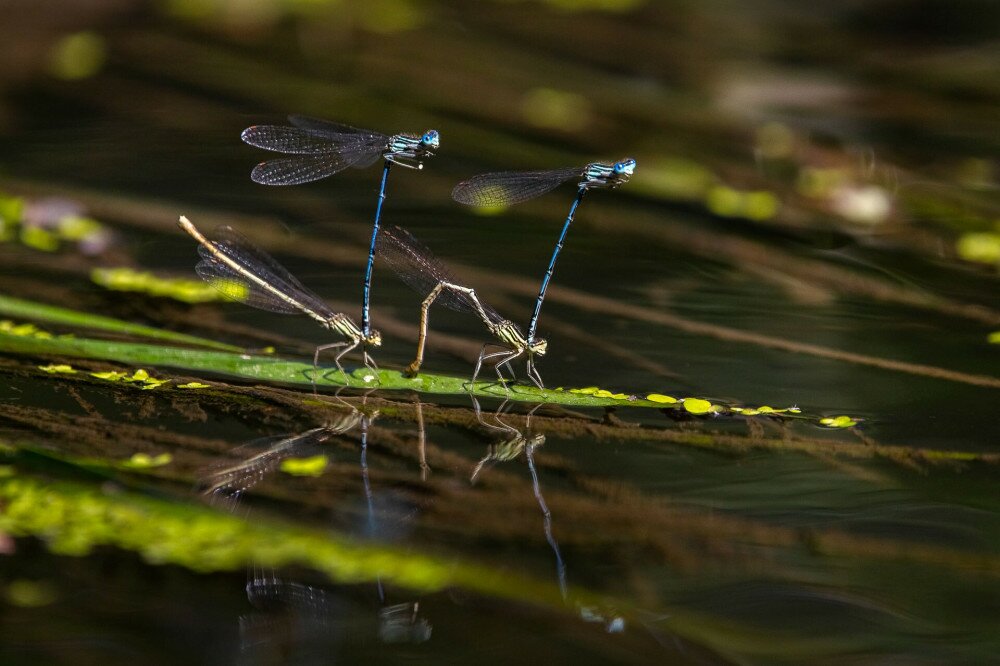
[(431, 139), (626, 167), (538, 346), (374, 338)]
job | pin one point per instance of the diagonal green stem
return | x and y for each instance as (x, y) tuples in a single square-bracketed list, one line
[(16, 307)]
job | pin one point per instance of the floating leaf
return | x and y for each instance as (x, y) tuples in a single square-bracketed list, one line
[(139, 375), (110, 376), (841, 421), (312, 466), (58, 369), (193, 385), (145, 461), (30, 593), (697, 405), (179, 289), (39, 239)]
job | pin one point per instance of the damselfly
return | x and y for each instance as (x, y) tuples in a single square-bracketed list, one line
[(243, 272), (421, 270), (512, 187), (323, 148)]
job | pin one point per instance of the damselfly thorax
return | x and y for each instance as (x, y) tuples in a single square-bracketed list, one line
[(607, 176), (407, 150)]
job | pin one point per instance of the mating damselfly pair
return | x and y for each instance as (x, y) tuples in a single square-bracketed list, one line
[(319, 149)]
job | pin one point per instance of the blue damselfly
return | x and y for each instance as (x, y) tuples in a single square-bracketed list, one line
[(492, 190), (323, 148)]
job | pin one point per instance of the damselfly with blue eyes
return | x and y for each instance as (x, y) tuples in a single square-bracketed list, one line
[(491, 190), (243, 272), (323, 148), (421, 270)]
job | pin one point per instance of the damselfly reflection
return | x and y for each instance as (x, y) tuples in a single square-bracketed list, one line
[(492, 190), (323, 148), (417, 266), (262, 457), (290, 616), (514, 443), (243, 272)]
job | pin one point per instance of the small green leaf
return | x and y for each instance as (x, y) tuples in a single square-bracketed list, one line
[(841, 421), (697, 406), (58, 369), (193, 385), (313, 466), (39, 239), (145, 461), (30, 593), (110, 376)]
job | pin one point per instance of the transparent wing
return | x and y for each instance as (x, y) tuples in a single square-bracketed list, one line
[(294, 171), (298, 141), (510, 187), (331, 128), (417, 266), (259, 458), (236, 283)]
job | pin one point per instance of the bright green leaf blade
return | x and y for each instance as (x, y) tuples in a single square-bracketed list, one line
[(16, 307)]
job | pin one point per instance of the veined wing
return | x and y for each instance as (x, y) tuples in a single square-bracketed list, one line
[(417, 266), (510, 187), (305, 169), (260, 457), (254, 277), (328, 127), (298, 141)]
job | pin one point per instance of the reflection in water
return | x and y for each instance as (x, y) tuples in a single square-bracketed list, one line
[(291, 618), (398, 623), (510, 448)]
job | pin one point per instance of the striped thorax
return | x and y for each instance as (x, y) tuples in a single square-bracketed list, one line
[(407, 150), (508, 333), (344, 325), (608, 176)]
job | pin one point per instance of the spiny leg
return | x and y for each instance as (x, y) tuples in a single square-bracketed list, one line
[(336, 359), (483, 356), (506, 362), (533, 372), (321, 348)]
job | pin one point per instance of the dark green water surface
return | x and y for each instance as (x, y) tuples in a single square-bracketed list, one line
[(814, 222)]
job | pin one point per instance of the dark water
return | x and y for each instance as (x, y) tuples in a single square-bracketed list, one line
[(813, 177)]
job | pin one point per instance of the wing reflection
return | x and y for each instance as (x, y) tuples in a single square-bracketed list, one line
[(292, 619)]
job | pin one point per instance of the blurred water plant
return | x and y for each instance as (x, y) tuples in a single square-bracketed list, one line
[(47, 223), (78, 56), (74, 518), (180, 289), (16, 307)]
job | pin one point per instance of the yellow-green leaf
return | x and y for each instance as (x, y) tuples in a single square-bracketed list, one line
[(313, 466)]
